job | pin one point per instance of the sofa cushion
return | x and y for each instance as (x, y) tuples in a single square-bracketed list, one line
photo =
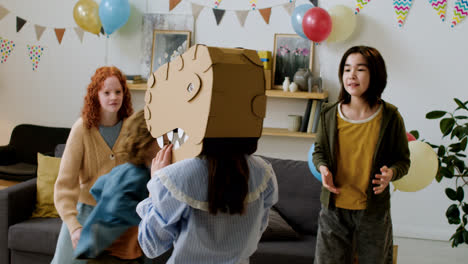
[(59, 149), (47, 171), (299, 194), (37, 235), (297, 252), (278, 229), (19, 169)]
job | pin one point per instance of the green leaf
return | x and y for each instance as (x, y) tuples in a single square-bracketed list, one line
[(438, 176), (451, 194), (460, 194), (460, 165), (446, 172), (415, 133), (460, 104), (461, 117), (435, 114), (446, 126), (465, 236), (463, 144), (441, 151), (465, 208), (460, 155), (458, 132), (465, 219), (458, 238)]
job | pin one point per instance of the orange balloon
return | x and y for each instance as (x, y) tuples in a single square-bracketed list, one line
[(86, 15)]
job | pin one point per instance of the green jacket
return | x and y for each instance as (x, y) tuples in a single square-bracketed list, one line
[(391, 150)]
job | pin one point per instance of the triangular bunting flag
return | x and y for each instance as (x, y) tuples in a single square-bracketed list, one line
[(59, 33), (266, 13), (460, 11), (315, 2), (79, 32), (289, 7), (402, 8), (439, 6), (19, 23), (6, 47), (219, 14), (360, 5), (3, 12), (242, 16), (35, 53), (253, 4), (173, 4), (216, 3), (102, 31), (39, 30), (196, 9)]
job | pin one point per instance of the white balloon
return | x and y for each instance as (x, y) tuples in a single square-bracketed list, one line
[(423, 169)]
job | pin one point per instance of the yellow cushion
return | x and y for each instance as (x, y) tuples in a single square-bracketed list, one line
[(47, 171)]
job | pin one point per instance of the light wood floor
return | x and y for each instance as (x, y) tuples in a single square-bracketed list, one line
[(5, 184)]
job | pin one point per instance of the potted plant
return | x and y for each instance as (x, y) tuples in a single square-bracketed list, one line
[(452, 157)]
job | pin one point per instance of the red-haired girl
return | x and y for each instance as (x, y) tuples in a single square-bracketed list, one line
[(91, 151)]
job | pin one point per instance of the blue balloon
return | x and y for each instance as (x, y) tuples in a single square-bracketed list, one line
[(311, 164), (297, 16), (113, 14)]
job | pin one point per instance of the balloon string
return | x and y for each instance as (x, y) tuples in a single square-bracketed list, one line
[(107, 51)]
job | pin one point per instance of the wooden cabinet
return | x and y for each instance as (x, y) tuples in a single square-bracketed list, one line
[(270, 131)]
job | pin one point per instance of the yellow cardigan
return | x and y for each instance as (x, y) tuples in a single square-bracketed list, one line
[(86, 157)]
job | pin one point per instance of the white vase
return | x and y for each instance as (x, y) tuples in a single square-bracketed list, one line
[(293, 87), (286, 84)]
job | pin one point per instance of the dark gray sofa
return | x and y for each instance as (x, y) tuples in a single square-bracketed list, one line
[(32, 241), (18, 159)]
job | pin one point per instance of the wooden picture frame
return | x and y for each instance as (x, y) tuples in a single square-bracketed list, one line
[(290, 53), (167, 45)]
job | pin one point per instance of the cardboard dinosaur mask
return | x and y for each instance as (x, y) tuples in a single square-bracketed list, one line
[(207, 92)]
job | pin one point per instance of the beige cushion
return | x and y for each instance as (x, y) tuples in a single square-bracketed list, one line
[(47, 171)]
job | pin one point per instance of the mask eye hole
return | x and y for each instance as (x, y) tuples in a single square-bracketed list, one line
[(190, 88)]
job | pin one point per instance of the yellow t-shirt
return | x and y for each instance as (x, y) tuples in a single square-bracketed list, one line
[(355, 153)]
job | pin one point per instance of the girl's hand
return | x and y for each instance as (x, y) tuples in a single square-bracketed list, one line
[(75, 237), (162, 159), (382, 179), (327, 180)]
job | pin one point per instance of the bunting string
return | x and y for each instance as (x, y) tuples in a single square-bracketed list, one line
[(241, 14)]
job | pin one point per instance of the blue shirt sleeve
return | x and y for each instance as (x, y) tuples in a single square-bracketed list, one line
[(161, 216)]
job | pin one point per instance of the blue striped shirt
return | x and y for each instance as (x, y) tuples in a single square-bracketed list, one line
[(176, 214)]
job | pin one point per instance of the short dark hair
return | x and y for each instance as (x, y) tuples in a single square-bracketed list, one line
[(377, 72)]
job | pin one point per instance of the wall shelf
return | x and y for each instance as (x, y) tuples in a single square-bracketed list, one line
[(138, 86), (284, 132), (298, 95)]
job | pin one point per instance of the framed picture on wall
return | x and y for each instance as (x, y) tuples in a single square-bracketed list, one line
[(290, 53), (167, 45)]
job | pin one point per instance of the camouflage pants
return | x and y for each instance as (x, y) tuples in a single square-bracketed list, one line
[(344, 234)]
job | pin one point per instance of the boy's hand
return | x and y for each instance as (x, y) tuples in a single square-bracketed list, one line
[(327, 180), (162, 159), (382, 179)]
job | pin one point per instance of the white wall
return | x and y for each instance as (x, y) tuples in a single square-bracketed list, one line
[(425, 62)]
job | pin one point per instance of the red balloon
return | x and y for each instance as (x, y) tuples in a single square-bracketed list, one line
[(317, 24), (410, 136)]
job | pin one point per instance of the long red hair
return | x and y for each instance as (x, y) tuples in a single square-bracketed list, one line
[(91, 108)]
